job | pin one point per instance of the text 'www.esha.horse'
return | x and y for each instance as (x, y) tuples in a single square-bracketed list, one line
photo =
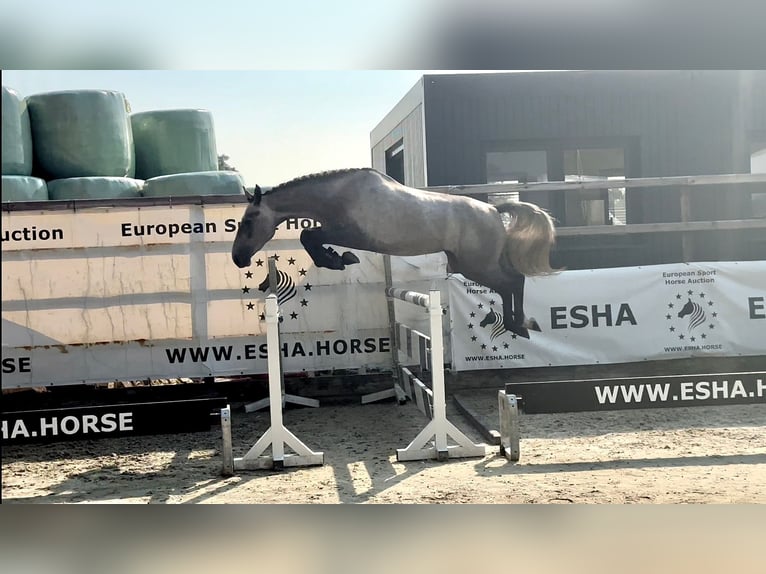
[(495, 246)]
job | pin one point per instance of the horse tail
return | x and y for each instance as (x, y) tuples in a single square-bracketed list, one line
[(530, 237)]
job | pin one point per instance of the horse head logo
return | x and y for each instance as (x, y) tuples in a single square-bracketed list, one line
[(695, 313), (494, 320), (285, 287)]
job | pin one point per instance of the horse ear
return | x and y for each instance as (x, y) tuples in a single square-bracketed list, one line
[(253, 198)]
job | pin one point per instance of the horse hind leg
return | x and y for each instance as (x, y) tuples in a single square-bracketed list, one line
[(510, 286), (517, 296)]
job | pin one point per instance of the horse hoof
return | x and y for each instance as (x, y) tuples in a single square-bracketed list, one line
[(349, 258), (532, 324)]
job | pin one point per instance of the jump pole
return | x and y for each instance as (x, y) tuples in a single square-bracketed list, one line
[(277, 436), (438, 429)]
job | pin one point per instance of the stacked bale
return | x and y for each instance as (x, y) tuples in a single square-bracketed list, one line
[(94, 188), (17, 135), (83, 144), (174, 141), (198, 183), (82, 133), (24, 188), (87, 145), (17, 152)]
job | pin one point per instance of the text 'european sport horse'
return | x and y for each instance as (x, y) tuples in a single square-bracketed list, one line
[(495, 246)]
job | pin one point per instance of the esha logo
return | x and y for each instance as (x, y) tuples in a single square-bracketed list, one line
[(690, 311), (288, 286), (692, 319), (486, 322), (486, 331)]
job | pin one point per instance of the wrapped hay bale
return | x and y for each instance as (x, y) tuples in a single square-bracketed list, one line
[(82, 133), (94, 188), (173, 141), (16, 135), (199, 183), (24, 188)]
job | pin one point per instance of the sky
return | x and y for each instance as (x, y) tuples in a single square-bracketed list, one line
[(273, 125)]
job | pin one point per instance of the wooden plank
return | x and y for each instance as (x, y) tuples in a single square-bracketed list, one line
[(693, 182), (640, 392), (677, 227), (492, 436), (110, 421)]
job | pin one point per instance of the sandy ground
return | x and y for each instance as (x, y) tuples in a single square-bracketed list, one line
[(673, 455)]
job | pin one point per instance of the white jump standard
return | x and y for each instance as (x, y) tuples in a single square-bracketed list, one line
[(433, 441), (277, 436)]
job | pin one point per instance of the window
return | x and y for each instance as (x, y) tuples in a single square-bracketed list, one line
[(566, 160), (515, 167), (395, 161), (598, 206)]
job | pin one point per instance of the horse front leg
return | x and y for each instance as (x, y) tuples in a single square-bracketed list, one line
[(313, 241)]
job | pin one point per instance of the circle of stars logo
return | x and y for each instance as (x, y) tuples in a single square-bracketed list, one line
[(691, 317), (257, 283), (487, 319)]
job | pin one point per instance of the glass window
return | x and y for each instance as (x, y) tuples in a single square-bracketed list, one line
[(515, 167), (395, 161), (599, 206)]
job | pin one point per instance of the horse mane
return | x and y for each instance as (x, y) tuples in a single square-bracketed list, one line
[(315, 177)]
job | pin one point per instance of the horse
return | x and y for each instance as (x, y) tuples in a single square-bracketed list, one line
[(364, 209)]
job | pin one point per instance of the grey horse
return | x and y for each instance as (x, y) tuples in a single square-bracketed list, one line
[(495, 246)]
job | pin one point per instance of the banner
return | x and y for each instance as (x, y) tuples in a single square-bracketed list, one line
[(107, 294), (615, 316)]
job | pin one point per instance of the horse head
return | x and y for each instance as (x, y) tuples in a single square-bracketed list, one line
[(687, 309), (257, 226)]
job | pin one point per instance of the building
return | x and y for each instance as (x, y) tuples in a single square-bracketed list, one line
[(556, 126)]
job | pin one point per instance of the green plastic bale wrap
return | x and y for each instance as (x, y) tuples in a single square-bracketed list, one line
[(199, 183), (173, 141), (82, 133), (94, 188), (17, 135), (23, 188)]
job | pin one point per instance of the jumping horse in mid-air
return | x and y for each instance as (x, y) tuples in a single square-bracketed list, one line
[(495, 246)]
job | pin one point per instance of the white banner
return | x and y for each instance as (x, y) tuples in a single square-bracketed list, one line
[(616, 315), (120, 294)]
